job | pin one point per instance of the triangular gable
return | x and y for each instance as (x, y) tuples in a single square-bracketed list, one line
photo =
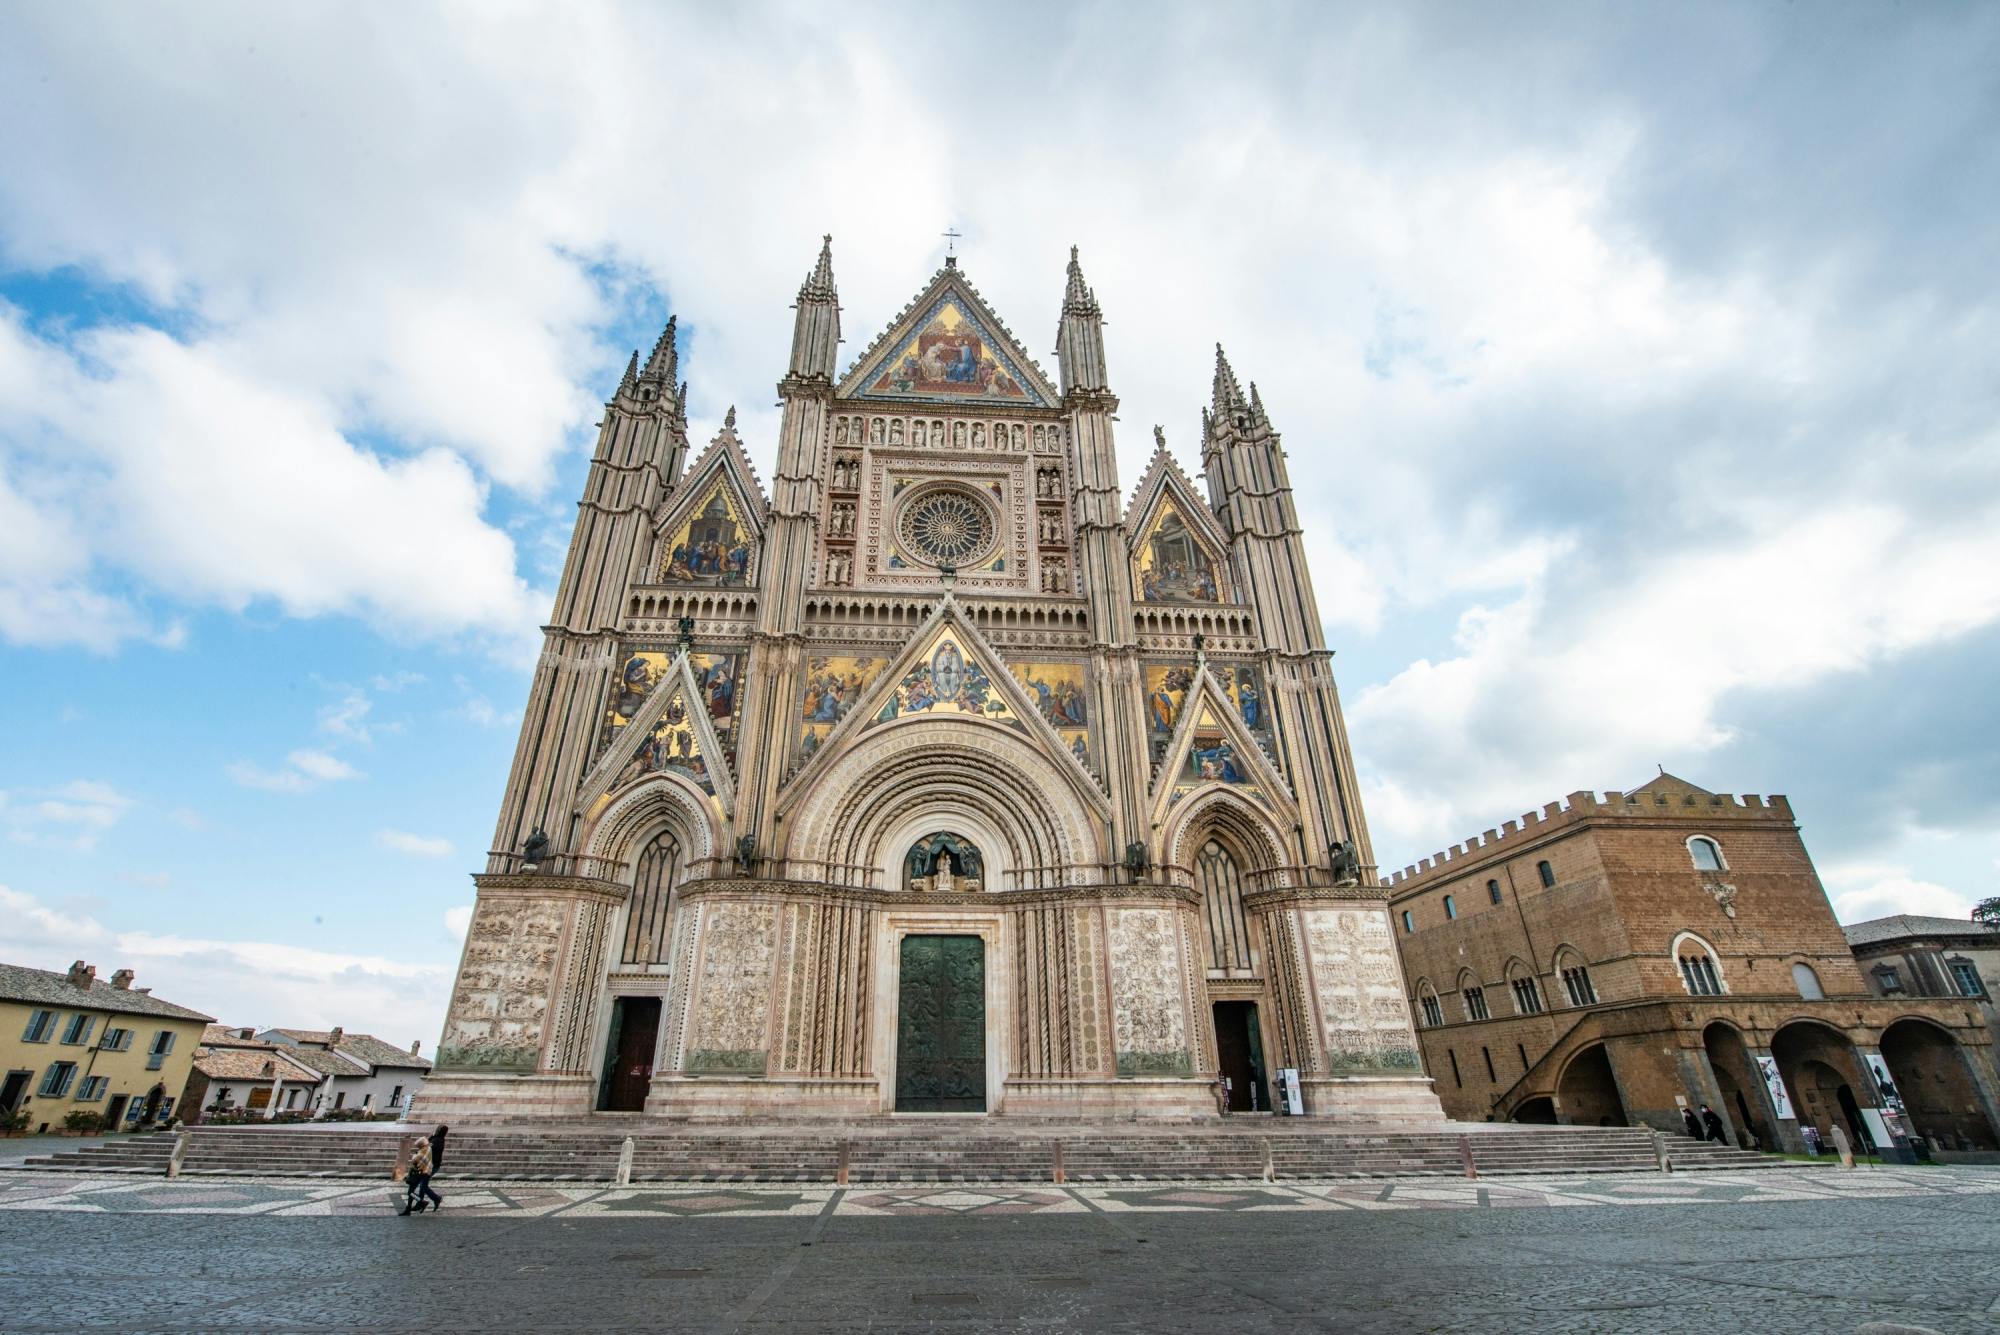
[(672, 733), (712, 527), (1177, 547), (1211, 746), (1669, 786), (948, 346), (947, 670)]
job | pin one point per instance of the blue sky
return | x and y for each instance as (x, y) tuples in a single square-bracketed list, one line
[(1635, 368)]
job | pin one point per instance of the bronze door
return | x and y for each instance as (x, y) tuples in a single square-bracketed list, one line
[(1240, 1054), (941, 1025), (628, 1058)]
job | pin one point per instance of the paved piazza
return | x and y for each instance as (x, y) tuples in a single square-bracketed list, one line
[(1807, 1251)]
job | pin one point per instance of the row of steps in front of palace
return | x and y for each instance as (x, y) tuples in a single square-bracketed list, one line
[(1086, 1154)]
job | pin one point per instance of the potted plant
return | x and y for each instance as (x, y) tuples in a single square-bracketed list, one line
[(82, 1123), (14, 1123)]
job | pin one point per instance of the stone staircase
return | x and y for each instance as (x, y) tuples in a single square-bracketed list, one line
[(906, 1152)]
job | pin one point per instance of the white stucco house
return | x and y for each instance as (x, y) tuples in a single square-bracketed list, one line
[(356, 1070)]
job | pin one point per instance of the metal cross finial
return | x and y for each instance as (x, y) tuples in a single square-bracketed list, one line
[(951, 237)]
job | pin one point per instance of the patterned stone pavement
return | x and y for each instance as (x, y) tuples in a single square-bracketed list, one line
[(29, 1191), (1801, 1252)]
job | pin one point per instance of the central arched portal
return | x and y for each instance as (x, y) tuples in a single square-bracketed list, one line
[(941, 1024)]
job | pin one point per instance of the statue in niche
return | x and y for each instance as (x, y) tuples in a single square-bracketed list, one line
[(840, 430), (536, 850), (1346, 864), (944, 864), (1135, 860), (746, 854), (875, 432), (917, 432), (978, 435), (896, 431)]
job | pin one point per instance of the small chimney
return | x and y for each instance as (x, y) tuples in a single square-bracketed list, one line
[(416, 1046), (122, 980), (334, 1036), (81, 974)]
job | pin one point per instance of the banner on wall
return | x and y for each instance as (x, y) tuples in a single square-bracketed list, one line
[(1775, 1085), (1884, 1083)]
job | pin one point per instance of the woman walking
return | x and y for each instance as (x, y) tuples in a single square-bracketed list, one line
[(419, 1181)]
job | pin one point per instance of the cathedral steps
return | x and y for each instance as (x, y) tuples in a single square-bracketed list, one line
[(899, 1152)]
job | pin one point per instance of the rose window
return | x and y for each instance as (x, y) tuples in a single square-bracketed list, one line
[(946, 528)]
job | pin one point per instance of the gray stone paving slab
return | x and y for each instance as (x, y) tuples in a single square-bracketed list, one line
[(1921, 1247)]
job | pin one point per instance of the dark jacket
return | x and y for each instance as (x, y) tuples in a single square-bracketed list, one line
[(437, 1150), (1713, 1123), (1693, 1122)]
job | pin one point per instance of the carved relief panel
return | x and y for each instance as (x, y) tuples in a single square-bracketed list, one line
[(1364, 1019), (1149, 1022)]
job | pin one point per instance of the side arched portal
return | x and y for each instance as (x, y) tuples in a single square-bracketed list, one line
[(1936, 1085)]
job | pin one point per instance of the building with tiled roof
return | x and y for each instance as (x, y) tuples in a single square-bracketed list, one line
[(1916, 955), (236, 1071), (359, 1071), (72, 1043)]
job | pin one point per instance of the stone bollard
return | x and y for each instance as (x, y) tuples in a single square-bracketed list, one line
[(406, 1150), (1270, 1168), (840, 1169), (1841, 1147), (1060, 1176), (1660, 1151), (625, 1162), (182, 1138), (1465, 1156)]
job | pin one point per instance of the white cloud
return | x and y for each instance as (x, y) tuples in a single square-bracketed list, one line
[(1861, 891), (414, 844), (304, 770), (457, 919), (73, 815), (346, 717), (400, 680), (238, 981), (1541, 698)]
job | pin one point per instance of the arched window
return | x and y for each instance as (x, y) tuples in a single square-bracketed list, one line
[(1493, 892), (1450, 907), (655, 875), (1699, 972), (1707, 854), (1222, 904), (1427, 1005), (1527, 996), (1474, 997), (1575, 975), (1546, 872), (1409, 923), (1807, 982)]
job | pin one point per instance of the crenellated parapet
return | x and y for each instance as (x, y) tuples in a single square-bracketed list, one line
[(1579, 807)]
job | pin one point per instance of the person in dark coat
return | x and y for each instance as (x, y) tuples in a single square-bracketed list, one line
[(1713, 1123), (1692, 1122), (417, 1183), (437, 1149)]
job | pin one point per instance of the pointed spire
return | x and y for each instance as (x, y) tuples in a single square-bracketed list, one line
[(1227, 393), (664, 364), (1077, 296), (1080, 335), (729, 419), (816, 327), (819, 283), (631, 373), (1257, 407)]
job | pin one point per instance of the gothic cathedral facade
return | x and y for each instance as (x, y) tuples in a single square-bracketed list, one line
[(941, 776)]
